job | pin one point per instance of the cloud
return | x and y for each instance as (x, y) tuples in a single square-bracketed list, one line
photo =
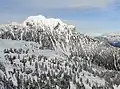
[(66, 3)]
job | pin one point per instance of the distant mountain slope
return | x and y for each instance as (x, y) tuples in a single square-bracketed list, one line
[(43, 53), (113, 38)]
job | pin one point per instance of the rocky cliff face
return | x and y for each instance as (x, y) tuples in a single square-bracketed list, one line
[(43, 53)]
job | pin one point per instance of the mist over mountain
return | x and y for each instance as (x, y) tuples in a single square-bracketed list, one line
[(45, 53)]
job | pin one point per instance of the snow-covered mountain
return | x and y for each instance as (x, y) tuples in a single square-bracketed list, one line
[(45, 53), (113, 38)]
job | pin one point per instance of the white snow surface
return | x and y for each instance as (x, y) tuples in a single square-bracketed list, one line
[(41, 20)]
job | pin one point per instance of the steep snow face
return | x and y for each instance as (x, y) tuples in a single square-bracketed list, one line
[(42, 21)]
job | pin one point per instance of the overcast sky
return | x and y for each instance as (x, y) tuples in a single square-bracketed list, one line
[(93, 17)]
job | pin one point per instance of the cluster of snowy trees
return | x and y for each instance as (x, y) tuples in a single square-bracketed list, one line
[(41, 72)]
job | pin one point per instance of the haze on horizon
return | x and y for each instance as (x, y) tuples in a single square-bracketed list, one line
[(94, 17)]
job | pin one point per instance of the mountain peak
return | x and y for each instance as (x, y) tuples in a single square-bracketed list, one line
[(41, 20), (47, 23), (40, 17)]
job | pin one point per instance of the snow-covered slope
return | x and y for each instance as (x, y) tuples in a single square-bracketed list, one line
[(45, 53), (23, 61), (50, 34), (114, 36)]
